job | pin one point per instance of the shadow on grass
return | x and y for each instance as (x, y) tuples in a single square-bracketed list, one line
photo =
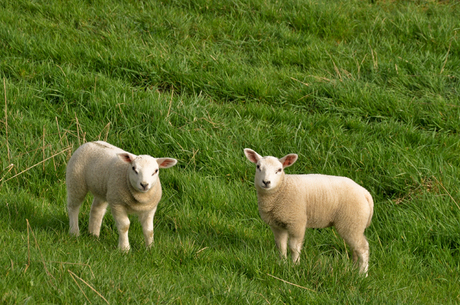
[(15, 212)]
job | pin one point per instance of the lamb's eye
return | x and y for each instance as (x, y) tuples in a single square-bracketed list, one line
[(279, 170), (156, 171), (258, 166), (134, 169)]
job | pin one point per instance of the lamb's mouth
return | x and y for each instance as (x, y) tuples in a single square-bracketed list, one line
[(143, 190), (265, 187)]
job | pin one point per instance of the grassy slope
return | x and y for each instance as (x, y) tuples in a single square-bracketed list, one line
[(365, 90)]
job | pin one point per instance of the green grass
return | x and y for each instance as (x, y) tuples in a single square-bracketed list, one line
[(364, 89)]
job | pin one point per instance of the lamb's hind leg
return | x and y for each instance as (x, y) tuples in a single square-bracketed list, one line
[(98, 209), (74, 201), (362, 254), (360, 247)]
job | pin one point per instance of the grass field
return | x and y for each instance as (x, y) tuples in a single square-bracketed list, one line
[(363, 89)]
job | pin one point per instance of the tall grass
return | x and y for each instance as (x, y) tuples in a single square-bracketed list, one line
[(364, 89)]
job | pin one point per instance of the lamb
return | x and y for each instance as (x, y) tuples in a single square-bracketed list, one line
[(291, 203), (130, 184)]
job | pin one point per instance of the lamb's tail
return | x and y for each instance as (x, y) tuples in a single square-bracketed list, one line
[(371, 207)]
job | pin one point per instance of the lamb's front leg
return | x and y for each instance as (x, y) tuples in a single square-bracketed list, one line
[(122, 221), (146, 220), (281, 238), (295, 244)]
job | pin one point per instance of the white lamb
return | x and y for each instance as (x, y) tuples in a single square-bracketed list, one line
[(128, 183), (291, 203)]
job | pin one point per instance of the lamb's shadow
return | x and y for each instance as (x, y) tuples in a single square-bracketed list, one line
[(17, 213), (20, 213)]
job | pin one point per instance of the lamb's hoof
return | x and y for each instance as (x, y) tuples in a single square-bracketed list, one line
[(74, 233), (124, 249)]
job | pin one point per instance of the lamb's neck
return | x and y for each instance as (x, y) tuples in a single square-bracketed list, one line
[(267, 199)]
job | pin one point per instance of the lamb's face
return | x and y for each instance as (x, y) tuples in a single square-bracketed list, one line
[(144, 169), (143, 174), (269, 170), (269, 173)]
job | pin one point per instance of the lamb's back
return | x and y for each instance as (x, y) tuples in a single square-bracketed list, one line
[(324, 197), (94, 163)]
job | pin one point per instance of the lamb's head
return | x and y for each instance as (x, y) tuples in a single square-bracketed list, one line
[(269, 170), (144, 170)]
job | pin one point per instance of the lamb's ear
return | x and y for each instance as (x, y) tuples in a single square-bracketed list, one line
[(252, 155), (166, 162), (126, 157), (288, 160)]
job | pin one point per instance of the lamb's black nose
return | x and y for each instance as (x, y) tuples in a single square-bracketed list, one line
[(144, 185), (266, 183)]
